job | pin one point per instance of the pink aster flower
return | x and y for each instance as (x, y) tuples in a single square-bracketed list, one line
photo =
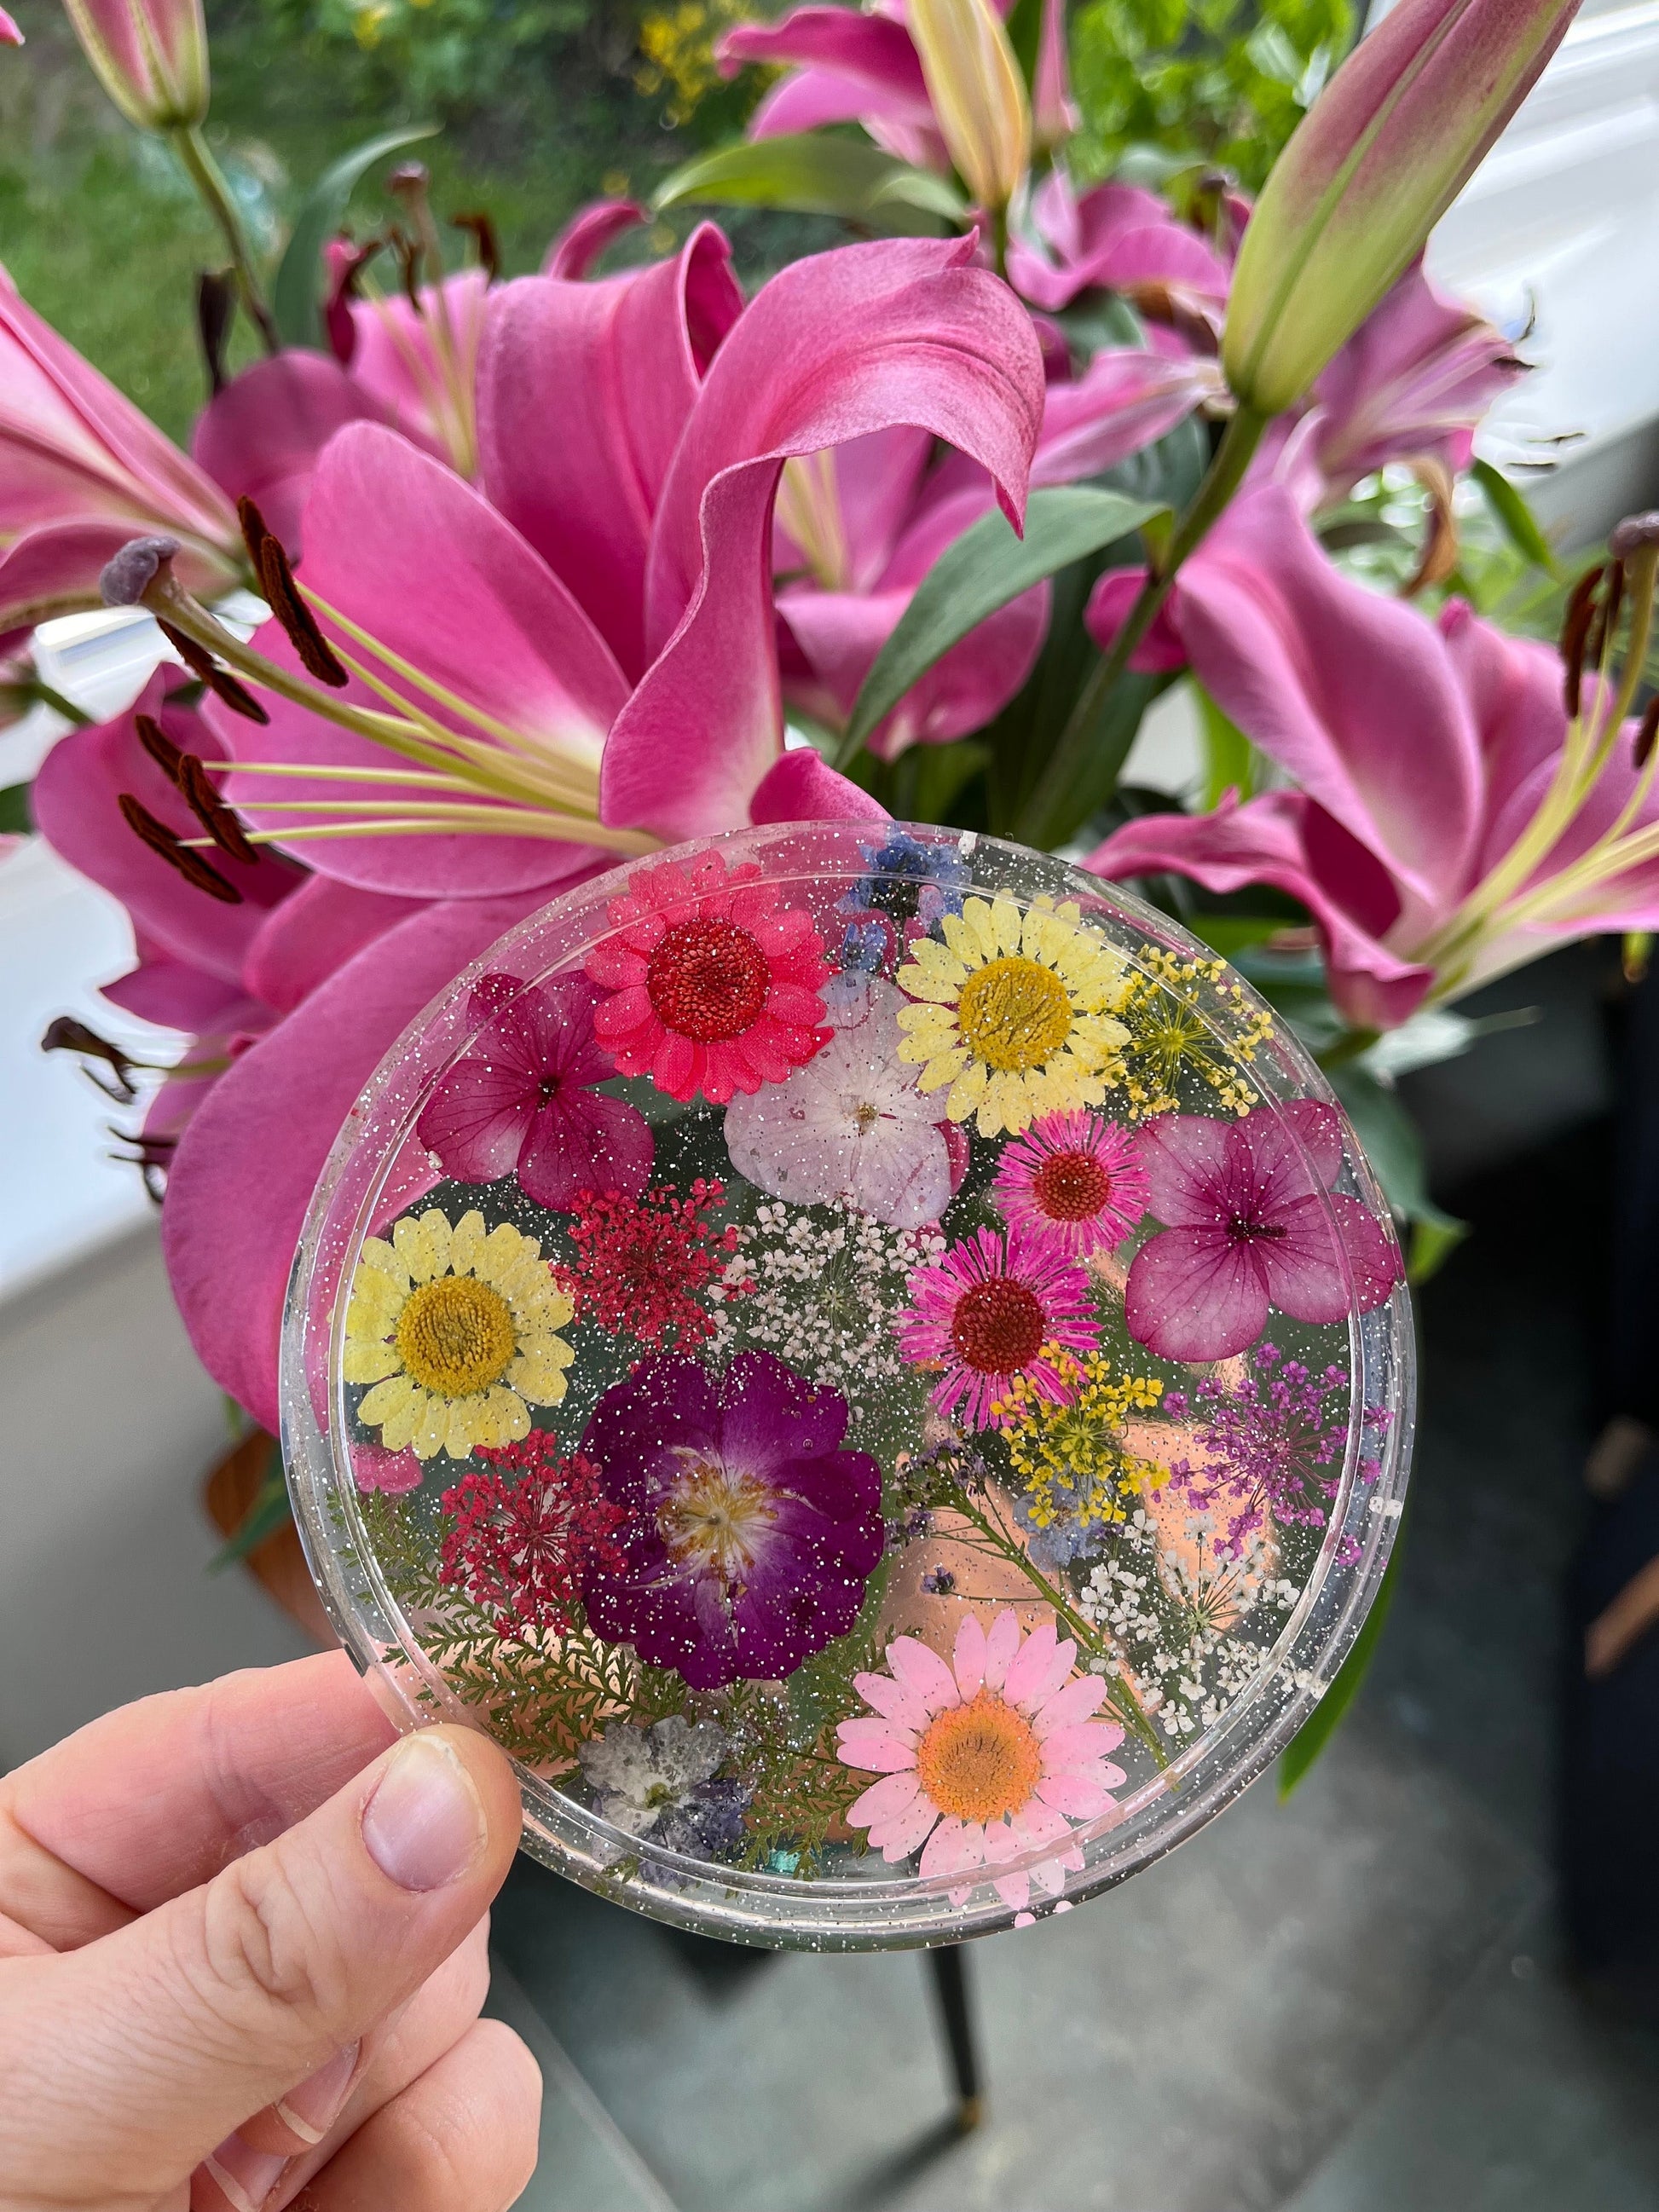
[(994, 1308), (1253, 1220), (983, 1761), (714, 982), (522, 1101), (1072, 1178)]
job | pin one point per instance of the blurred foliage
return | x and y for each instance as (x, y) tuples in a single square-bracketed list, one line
[(454, 58), (1165, 82), (677, 63)]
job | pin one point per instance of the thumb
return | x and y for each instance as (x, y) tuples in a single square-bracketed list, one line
[(169, 2033)]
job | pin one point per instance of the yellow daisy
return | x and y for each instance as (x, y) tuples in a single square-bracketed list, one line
[(455, 1326), (1013, 1012)]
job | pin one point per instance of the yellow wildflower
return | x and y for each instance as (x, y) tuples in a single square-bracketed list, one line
[(1191, 1014), (1070, 1455)]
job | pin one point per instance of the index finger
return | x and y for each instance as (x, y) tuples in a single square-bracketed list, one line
[(152, 1799)]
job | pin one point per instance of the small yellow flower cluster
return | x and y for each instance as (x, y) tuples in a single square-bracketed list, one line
[(1072, 1458), (1170, 1029), (677, 45)]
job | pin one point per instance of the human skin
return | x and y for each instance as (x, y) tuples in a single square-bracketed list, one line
[(242, 1955)]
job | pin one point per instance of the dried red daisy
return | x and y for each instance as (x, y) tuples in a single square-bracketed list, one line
[(643, 1265), (520, 1550), (713, 982)]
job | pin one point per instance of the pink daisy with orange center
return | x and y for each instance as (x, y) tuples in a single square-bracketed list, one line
[(984, 1760), (714, 981), (994, 1308), (1074, 1179)]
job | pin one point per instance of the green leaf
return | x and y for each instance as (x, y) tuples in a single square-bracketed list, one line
[(16, 820), (986, 567), (1434, 1238), (1229, 934), (1514, 518), (264, 1516), (295, 301), (1325, 1717), (811, 173), (1229, 760)]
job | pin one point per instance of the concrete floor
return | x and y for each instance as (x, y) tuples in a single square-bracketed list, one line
[(1354, 2002)]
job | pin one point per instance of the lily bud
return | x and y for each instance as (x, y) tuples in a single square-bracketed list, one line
[(1054, 112), (9, 34), (150, 57), (978, 92), (1373, 166)]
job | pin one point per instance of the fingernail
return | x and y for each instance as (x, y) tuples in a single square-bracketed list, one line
[(424, 1825), (310, 2110), (246, 2177)]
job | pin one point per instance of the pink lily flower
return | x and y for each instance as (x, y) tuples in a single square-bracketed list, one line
[(1252, 1219), (1431, 862), (1412, 385), (548, 748), (845, 66), (866, 522), (222, 969), (455, 616), (9, 34), (81, 471), (259, 438), (1121, 239)]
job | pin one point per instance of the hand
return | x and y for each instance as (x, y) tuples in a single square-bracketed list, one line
[(242, 1937)]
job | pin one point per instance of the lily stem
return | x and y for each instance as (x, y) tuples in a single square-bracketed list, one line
[(1045, 820), (208, 178)]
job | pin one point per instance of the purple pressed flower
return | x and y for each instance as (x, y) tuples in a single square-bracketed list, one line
[(750, 1534), (1273, 1445), (1247, 1227), (522, 1100)]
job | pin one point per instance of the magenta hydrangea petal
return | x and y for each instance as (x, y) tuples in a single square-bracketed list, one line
[(1194, 1294)]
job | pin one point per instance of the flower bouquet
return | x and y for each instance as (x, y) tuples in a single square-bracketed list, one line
[(844, 1323)]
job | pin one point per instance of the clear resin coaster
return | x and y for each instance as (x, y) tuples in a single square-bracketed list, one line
[(870, 1362)]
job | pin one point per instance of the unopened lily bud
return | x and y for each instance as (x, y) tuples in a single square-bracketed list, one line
[(1054, 112), (1373, 166), (150, 57), (9, 34), (978, 92)]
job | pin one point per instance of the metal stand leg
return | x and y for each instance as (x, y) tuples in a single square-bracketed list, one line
[(949, 1973)]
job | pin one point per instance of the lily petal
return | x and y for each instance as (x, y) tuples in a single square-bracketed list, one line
[(246, 1168), (836, 347), (396, 543), (260, 437), (617, 366)]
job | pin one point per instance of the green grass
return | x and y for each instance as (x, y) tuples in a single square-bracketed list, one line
[(104, 237)]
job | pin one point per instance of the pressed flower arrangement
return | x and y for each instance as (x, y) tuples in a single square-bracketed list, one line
[(886, 1463)]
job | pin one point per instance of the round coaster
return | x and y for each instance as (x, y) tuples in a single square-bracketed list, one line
[(870, 1362)]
